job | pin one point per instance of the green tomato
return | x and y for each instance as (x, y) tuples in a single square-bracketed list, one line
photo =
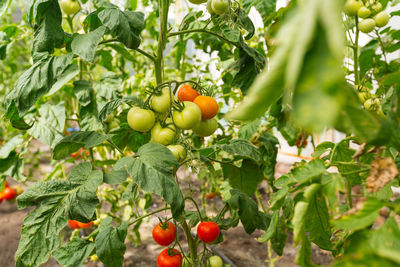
[(110, 118), (197, 1), (363, 96), (178, 151), (367, 25), (215, 261), (220, 6), (209, 7), (206, 128), (141, 120), (381, 19), (364, 12), (189, 117), (69, 7), (351, 7), (113, 125), (164, 136), (161, 103), (368, 104)]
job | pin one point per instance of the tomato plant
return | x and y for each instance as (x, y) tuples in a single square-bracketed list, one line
[(115, 98)]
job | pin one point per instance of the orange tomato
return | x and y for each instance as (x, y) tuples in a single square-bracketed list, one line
[(78, 225), (211, 195), (85, 225), (187, 93), (208, 106), (73, 224)]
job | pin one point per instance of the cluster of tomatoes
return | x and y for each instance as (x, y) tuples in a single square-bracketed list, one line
[(164, 234), (192, 111), (371, 13), (10, 193)]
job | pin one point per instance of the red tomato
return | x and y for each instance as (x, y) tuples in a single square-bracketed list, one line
[(211, 195), (187, 93), (208, 232), (9, 193), (208, 106), (164, 233), (6, 184), (169, 258), (73, 224)]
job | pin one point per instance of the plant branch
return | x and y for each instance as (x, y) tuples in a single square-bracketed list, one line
[(201, 31)]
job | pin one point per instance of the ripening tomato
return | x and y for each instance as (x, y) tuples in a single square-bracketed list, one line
[(18, 189), (9, 193), (189, 117), (169, 258), (208, 232), (220, 6), (197, 1), (178, 151), (161, 103), (164, 136), (381, 19), (367, 25), (208, 106), (206, 128), (164, 233), (84, 225), (110, 118), (210, 195), (351, 7), (187, 93), (141, 120), (215, 261), (364, 12), (69, 7), (73, 224)]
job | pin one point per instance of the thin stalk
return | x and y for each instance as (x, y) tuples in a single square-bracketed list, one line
[(162, 40), (191, 243), (355, 50), (259, 199), (197, 207), (147, 215)]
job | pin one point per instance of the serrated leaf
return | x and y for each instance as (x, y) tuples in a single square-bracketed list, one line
[(56, 201), (243, 148), (308, 171), (6, 149), (73, 142), (271, 228), (110, 243), (109, 108), (74, 253), (85, 45)]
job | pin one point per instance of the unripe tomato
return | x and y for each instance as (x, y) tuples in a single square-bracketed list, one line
[(220, 6), (189, 117), (368, 104), (178, 151), (351, 7), (141, 120), (169, 258), (209, 7), (206, 128), (113, 125), (69, 7), (215, 261), (164, 234), (94, 257), (9, 193), (110, 118), (364, 12), (367, 25), (363, 96), (208, 232), (381, 19), (187, 93), (18, 190), (197, 1), (161, 103), (208, 106), (164, 136), (186, 263)]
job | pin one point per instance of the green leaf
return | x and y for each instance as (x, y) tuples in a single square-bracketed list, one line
[(34, 83), (278, 198), (56, 201), (153, 171), (308, 171), (243, 148), (125, 25), (303, 257), (49, 33), (110, 243), (85, 45), (109, 108), (119, 172), (248, 129), (73, 142), (269, 150), (265, 7), (109, 86), (48, 128), (299, 220), (271, 228), (363, 218), (8, 147), (74, 253), (386, 241), (82, 90), (246, 178), (70, 72), (280, 237), (249, 214)]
